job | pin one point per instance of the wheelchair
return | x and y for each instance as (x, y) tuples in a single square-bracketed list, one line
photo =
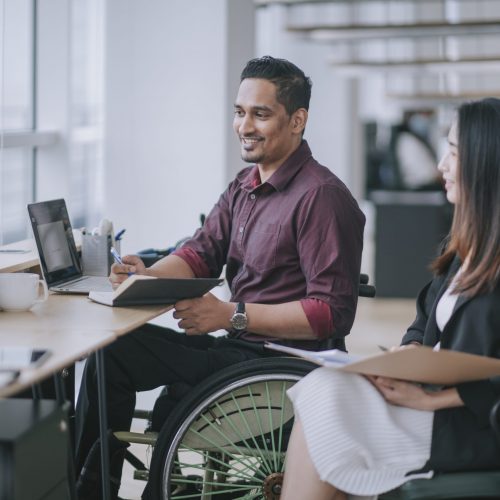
[(227, 437)]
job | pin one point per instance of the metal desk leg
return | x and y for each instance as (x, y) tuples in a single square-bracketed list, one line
[(103, 424), (36, 391), (61, 400)]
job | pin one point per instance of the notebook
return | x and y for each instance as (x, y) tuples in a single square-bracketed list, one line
[(146, 290), (59, 260)]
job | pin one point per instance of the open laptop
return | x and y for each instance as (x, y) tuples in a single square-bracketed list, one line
[(59, 259)]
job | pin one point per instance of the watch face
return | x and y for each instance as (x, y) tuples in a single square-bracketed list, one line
[(239, 321)]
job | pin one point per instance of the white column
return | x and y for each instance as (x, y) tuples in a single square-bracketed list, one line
[(171, 76), (52, 99)]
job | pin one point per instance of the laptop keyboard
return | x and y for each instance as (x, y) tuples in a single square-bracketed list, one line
[(93, 282)]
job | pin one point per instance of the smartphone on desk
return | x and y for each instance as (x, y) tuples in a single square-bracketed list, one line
[(8, 376), (15, 358)]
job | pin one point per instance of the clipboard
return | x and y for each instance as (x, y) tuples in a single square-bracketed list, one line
[(147, 290), (415, 364)]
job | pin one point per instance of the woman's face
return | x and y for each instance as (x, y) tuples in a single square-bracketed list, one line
[(448, 165)]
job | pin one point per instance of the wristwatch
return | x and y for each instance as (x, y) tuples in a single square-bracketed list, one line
[(239, 320)]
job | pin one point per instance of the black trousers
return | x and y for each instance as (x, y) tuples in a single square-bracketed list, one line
[(145, 359)]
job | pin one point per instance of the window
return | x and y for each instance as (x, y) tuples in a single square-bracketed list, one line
[(51, 109), (16, 115), (87, 112)]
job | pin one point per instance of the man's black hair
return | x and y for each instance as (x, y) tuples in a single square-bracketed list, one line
[(293, 87)]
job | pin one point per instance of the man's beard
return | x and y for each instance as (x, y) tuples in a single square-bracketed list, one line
[(252, 157)]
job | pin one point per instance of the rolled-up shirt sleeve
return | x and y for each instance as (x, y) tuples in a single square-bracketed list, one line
[(330, 240), (194, 261), (319, 316)]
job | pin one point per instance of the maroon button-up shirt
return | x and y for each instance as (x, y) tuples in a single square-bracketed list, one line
[(297, 236)]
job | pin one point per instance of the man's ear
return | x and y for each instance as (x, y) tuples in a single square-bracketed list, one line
[(299, 120)]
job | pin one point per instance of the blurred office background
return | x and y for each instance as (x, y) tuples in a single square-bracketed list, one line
[(124, 108)]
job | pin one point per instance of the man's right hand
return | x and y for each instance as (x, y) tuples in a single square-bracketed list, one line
[(131, 265)]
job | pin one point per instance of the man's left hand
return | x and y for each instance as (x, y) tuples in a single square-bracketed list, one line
[(203, 314)]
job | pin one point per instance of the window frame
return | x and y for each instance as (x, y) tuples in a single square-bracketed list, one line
[(52, 135)]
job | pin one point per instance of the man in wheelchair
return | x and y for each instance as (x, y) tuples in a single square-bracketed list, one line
[(290, 235)]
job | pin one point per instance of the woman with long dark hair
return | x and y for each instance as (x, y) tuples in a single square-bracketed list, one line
[(362, 436)]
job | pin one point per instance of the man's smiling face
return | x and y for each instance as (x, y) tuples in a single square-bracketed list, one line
[(266, 132)]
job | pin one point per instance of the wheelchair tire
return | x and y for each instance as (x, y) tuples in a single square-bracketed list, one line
[(227, 439)]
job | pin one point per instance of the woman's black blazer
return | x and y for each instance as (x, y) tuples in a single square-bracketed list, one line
[(462, 438)]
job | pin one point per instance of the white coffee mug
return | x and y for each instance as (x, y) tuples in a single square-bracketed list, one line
[(21, 291)]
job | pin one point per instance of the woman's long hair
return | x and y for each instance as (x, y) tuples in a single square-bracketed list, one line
[(475, 231)]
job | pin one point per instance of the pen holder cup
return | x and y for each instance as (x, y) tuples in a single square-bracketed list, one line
[(96, 255)]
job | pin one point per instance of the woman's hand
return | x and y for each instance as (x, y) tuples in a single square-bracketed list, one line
[(413, 343), (411, 395), (401, 393)]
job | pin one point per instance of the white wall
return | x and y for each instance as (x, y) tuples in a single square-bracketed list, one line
[(329, 130), (53, 99), (334, 128), (168, 112), (172, 74)]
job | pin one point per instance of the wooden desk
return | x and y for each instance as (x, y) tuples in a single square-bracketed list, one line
[(71, 311), (14, 262), (65, 348), (71, 326)]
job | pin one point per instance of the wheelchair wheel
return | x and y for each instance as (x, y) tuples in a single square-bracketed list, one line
[(228, 438)]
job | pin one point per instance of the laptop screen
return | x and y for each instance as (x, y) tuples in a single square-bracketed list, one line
[(54, 239)]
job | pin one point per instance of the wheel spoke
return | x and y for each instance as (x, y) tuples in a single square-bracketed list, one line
[(223, 486), (230, 422), (218, 447), (256, 447), (249, 431), (232, 443), (223, 491), (251, 496), (282, 422), (238, 474), (257, 418), (271, 426)]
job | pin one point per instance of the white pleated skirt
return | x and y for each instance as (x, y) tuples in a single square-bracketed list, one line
[(357, 442)]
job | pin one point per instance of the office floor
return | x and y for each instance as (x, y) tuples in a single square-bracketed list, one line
[(378, 322)]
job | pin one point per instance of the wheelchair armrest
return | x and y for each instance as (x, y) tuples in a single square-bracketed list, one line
[(366, 290), (495, 419)]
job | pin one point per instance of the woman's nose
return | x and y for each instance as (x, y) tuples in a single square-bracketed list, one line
[(443, 163)]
